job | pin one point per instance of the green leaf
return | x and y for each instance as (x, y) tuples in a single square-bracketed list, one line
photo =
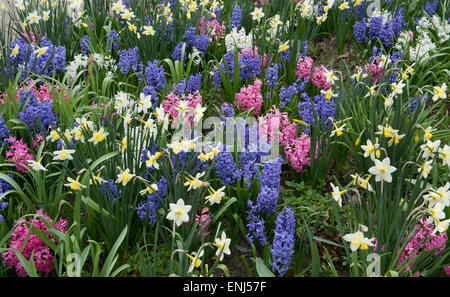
[(262, 269), (108, 266)]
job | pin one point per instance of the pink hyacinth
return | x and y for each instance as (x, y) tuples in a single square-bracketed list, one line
[(275, 120), (34, 36), (298, 152), (38, 141), (304, 66), (202, 223), (319, 79), (261, 3), (374, 71), (417, 244), (212, 28), (250, 97), (42, 92), (172, 101), (18, 153), (42, 256), (447, 270)]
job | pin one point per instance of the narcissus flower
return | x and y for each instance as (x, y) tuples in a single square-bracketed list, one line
[(148, 30), (99, 136), (337, 194), (444, 154), (15, 51), (358, 241), (283, 47), (363, 183), (179, 212), (440, 92), (441, 226), (370, 148), (382, 170), (430, 148), (337, 130), (215, 196), (149, 189), (439, 196), (195, 260), (397, 88), (54, 135), (223, 245), (74, 184), (425, 169), (152, 160), (63, 155), (328, 94), (257, 14), (124, 176), (194, 182), (36, 166)]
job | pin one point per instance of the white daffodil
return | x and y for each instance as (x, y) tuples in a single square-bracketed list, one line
[(198, 113), (440, 92), (194, 182), (124, 176), (363, 183), (195, 260), (149, 31), (370, 148), (149, 189), (358, 241), (152, 161), (344, 5), (328, 94), (441, 226), (437, 212), (40, 51), (179, 212), (427, 133), (430, 148), (53, 135), (397, 88), (425, 169), (439, 196), (144, 103), (36, 166), (337, 194), (118, 7), (127, 15), (223, 245), (382, 170), (78, 134), (63, 155), (34, 18), (215, 196), (74, 184), (338, 131), (98, 136), (46, 15), (257, 14), (121, 102), (444, 154), (83, 123), (330, 76), (15, 51)]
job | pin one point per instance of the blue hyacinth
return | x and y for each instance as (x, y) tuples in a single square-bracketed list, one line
[(283, 242)]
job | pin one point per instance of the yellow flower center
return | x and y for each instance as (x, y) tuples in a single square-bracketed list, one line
[(179, 212)]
